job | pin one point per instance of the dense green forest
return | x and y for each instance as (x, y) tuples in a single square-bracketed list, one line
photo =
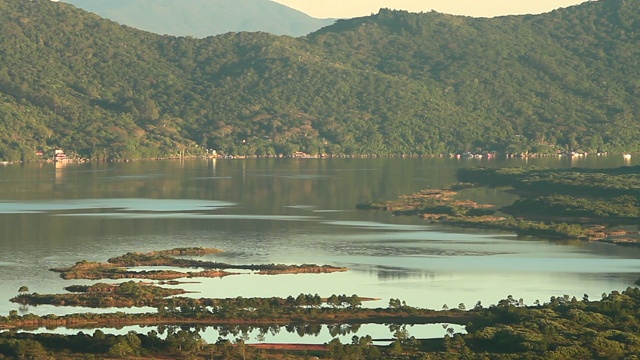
[(389, 84)]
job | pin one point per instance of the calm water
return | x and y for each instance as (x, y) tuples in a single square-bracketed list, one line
[(309, 334), (289, 211)]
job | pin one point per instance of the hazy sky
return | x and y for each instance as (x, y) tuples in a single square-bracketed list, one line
[(486, 8)]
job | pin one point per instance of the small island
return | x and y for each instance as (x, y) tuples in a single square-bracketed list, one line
[(123, 267), (148, 294), (102, 295)]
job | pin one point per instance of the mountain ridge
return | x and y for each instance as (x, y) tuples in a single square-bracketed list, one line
[(389, 84), (202, 18)]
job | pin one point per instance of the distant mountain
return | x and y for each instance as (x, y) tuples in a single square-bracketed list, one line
[(202, 18), (393, 83)]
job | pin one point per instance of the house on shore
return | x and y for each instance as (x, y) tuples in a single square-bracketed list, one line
[(59, 156)]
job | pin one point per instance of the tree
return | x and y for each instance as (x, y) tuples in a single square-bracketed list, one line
[(241, 346), (333, 300), (120, 349), (184, 341), (23, 290), (354, 301), (30, 349), (336, 350), (394, 303), (396, 347), (134, 341)]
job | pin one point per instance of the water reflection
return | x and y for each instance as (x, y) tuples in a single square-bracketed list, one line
[(278, 334), (289, 211), (152, 205), (387, 273)]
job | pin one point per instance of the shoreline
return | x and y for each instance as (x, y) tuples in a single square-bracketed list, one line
[(442, 206), (338, 316), (457, 156)]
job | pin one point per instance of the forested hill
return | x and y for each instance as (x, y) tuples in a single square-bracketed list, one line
[(202, 18), (391, 83)]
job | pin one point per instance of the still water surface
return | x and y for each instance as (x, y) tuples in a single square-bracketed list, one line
[(311, 334), (289, 211)]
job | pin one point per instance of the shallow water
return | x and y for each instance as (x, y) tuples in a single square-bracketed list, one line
[(289, 211)]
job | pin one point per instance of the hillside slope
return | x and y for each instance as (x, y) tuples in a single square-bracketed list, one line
[(389, 84)]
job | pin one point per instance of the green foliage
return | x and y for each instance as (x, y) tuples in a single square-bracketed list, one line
[(608, 195), (614, 182), (103, 295), (560, 329), (569, 206), (566, 203), (389, 84)]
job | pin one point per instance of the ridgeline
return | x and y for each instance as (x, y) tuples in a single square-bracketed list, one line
[(202, 18), (389, 84)]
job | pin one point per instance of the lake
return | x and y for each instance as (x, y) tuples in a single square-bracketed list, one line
[(290, 211), (305, 334)]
